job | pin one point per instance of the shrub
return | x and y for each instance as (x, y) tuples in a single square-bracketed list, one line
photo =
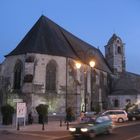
[(7, 112), (42, 111)]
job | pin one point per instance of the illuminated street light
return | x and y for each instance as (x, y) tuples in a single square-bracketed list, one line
[(78, 65), (92, 63)]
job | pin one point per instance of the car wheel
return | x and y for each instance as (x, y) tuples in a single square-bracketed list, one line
[(133, 118), (77, 138), (109, 130), (120, 120), (92, 134)]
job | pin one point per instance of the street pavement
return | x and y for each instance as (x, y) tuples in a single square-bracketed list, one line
[(54, 126), (52, 130)]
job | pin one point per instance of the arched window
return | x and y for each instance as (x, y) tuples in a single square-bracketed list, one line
[(94, 75), (101, 78), (17, 75), (51, 76), (118, 41), (116, 103), (119, 50)]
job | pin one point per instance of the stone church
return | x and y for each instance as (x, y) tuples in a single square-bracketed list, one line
[(42, 69)]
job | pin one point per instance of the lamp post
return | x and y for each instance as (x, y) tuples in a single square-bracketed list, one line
[(92, 65), (66, 83), (78, 89), (85, 89), (78, 66)]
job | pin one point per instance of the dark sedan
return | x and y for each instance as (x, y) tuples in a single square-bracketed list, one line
[(134, 115), (92, 127)]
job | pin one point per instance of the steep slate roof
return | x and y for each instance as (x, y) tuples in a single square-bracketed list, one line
[(46, 37), (126, 84)]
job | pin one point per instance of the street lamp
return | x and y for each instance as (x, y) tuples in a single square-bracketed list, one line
[(78, 87), (78, 66), (66, 84), (92, 65)]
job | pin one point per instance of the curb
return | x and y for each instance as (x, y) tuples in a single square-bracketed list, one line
[(129, 124)]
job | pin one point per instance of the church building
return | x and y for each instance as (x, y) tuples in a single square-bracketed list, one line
[(52, 66)]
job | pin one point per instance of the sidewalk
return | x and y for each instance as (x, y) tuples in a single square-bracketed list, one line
[(51, 126)]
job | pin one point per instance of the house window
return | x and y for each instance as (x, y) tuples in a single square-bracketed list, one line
[(29, 59), (118, 41), (17, 75), (94, 76), (51, 76), (28, 78), (97, 80), (128, 101), (105, 80), (119, 50), (116, 103)]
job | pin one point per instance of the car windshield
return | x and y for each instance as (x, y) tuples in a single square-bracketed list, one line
[(87, 120), (102, 119)]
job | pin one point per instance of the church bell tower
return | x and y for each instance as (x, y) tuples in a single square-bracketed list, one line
[(115, 54)]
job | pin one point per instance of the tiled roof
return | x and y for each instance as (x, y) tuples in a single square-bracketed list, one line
[(126, 84)]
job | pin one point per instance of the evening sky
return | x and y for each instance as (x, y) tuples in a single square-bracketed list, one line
[(94, 21)]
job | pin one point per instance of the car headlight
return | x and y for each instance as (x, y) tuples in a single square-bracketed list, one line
[(84, 129), (72, 129)]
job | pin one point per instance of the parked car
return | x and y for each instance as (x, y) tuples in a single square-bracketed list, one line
[(117, 115), (91, 127), (134, 115)]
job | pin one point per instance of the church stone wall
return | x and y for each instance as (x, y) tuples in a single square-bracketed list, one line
[(56, 101), (40, 70), (9, 64)]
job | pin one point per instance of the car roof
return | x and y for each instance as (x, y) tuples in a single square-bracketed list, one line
[(115, 110)]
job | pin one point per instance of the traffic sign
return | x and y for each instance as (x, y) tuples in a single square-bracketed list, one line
[(21, 110)]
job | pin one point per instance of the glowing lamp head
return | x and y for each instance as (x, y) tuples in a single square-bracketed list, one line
[(92, 63), (78, 65)]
